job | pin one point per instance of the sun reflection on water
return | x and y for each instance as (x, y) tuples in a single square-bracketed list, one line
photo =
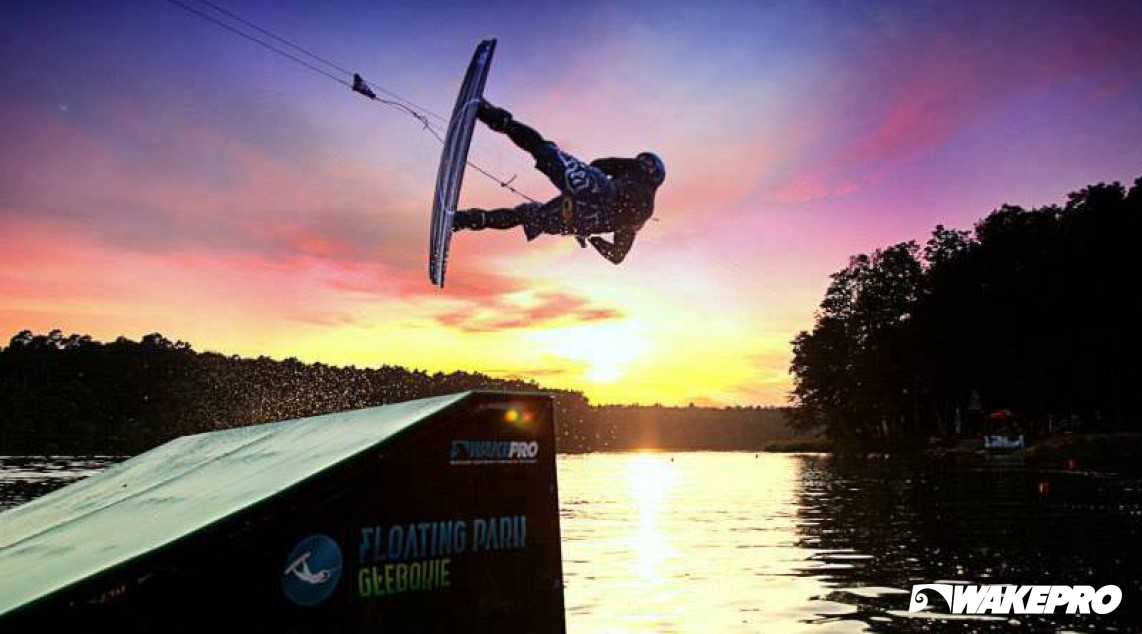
[(649, 480), (694, 542)]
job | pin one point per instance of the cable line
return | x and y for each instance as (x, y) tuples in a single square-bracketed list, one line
[(359, 84), (314, 56), (263, 43), (275, 36)]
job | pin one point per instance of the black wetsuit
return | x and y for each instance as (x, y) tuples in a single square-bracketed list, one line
[(612, 195)]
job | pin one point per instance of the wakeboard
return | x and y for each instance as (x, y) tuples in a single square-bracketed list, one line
[(454, 158)]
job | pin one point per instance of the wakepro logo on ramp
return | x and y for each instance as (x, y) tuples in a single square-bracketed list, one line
[(312, 570), (468, 452)]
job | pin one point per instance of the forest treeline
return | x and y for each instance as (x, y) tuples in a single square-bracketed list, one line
[(1033, 316), (70, 394)]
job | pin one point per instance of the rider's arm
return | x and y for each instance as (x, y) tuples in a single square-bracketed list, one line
[(617, 250)]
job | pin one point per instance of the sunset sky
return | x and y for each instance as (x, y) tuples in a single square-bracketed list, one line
[(158, 173)]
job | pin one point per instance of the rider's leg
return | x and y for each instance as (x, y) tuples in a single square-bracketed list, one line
[(500, 120), (477, 219), (572, 176)]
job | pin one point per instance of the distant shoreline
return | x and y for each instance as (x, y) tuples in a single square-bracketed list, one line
[(72, 395)]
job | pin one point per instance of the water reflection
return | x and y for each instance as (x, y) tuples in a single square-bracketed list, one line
[(682, 542), (888, 525), (738, 542), (23, 478), (650, 478), (733, 542)]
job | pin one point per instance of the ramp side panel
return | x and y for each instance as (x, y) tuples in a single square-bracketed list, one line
[(482, 470)]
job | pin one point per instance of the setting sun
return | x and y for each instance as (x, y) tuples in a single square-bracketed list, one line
[(606, 352)]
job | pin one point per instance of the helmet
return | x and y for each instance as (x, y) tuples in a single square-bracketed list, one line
[(653, 166)]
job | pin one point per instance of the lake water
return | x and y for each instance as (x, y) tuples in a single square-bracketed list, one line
[(742, 542)]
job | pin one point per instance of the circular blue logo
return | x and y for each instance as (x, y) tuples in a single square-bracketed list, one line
[(312, 570)]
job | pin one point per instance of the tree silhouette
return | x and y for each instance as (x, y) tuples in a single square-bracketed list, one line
[(71, 394), (1033, 311)]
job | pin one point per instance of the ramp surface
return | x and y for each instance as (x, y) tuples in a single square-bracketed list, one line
[(170, 492)]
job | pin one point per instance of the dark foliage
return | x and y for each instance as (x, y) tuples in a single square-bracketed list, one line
[(632, 427), (74, 395), (1034, 311)]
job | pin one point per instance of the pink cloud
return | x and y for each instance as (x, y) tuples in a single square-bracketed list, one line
[(808, 187), (352, 223), (908, 95), (215, 193), (551, 308)]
